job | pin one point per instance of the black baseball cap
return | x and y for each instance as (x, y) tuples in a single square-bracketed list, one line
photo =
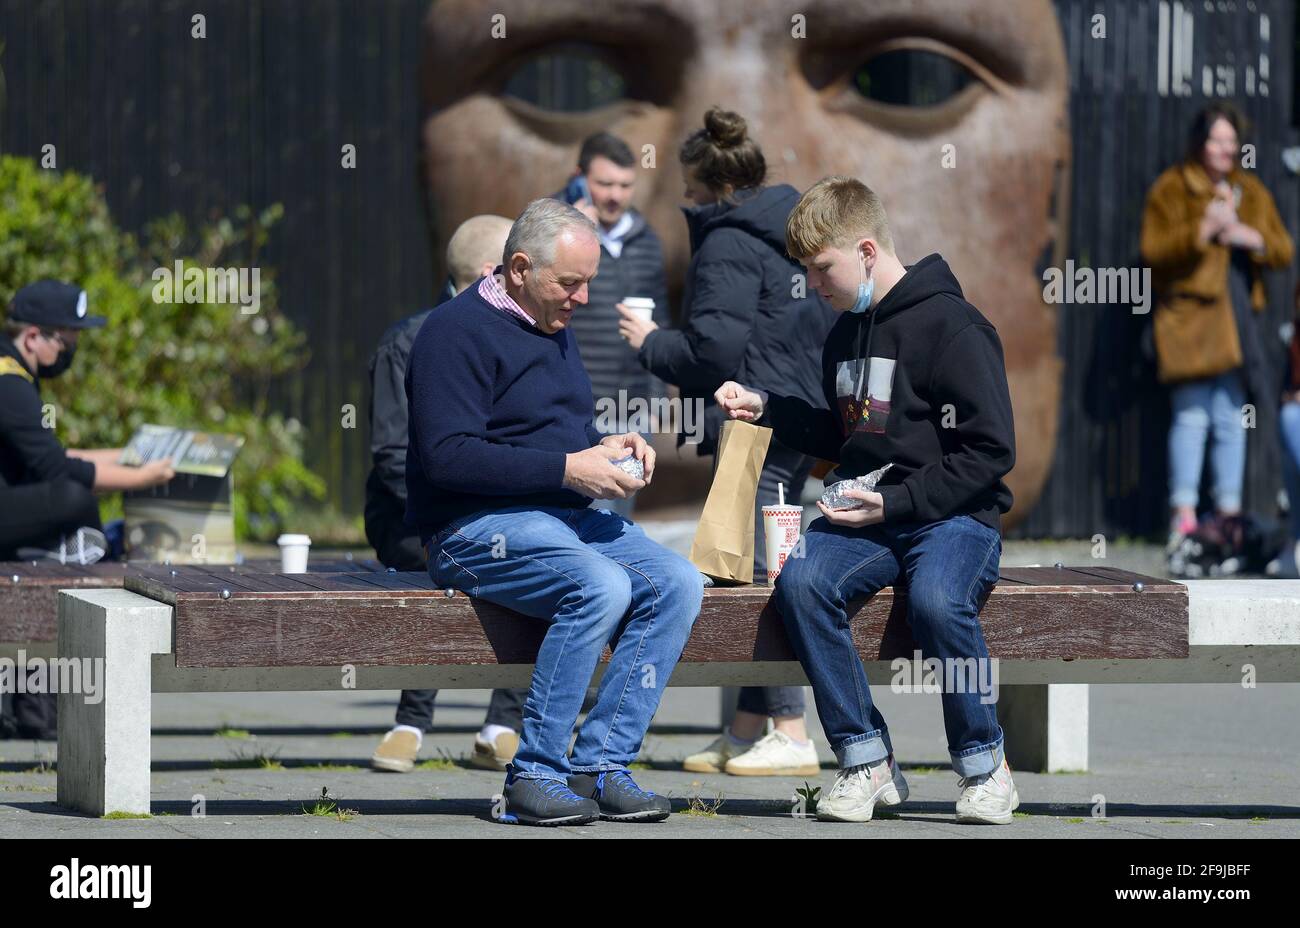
[(55, 305)]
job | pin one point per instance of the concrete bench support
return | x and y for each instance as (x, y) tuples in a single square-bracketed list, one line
[(1045, 727), (104, 751)]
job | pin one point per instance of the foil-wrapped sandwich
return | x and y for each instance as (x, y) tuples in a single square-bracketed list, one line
[(631, 466), (834, 497)]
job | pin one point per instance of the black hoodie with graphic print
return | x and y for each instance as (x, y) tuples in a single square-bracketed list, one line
[(933, 401)]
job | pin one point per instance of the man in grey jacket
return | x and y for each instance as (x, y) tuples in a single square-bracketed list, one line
[(631, 265)]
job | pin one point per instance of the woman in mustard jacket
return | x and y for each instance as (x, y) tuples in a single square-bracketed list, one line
[(1209, 230)]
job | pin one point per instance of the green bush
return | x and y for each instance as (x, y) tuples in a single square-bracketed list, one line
[(205, 366)]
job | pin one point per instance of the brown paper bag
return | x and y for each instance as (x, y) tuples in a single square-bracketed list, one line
[(724, 541)]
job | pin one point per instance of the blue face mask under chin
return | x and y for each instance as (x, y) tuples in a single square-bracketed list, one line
[(865, 291)]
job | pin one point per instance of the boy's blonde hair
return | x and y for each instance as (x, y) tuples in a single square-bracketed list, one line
[(836, 212)]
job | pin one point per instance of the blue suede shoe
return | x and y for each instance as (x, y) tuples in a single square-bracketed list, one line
[(545, 802), (620, 799)]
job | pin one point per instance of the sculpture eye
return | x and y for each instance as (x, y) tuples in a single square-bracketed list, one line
[(911, 77), (570, 78)]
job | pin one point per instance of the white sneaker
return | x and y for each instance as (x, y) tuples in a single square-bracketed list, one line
[(776, 755), (713, 759), (856, 791), (84, 546), (988, 799)]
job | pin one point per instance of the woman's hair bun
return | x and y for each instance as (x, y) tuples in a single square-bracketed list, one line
[(726, 129)]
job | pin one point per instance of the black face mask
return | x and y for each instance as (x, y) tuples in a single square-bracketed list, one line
[(61, 364)]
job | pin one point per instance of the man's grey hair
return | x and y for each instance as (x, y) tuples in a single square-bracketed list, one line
[(540, 226)]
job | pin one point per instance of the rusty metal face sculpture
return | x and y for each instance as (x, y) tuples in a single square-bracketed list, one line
[(954, 111)]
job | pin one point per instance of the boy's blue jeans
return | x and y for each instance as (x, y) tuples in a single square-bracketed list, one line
[(597, 579), (947, 568)]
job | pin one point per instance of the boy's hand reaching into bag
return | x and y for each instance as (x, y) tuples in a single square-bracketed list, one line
[(871, 513), (741, 402)]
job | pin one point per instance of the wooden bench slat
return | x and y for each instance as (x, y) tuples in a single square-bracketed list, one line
[(54, 574), (1044, 576), (155, 586), (400, 581), (1004, 579), (318, 581), (245, 583), (1116, 575)]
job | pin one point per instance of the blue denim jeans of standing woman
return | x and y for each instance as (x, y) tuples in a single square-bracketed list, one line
[(597, 579), (1201, 407), (1289, 426), (947, 569)]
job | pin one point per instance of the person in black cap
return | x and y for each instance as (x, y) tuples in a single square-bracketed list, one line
[(47, 501)]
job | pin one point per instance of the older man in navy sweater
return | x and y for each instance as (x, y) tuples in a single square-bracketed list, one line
[(502, 466)]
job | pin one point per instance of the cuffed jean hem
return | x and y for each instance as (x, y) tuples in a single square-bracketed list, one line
[(976, 761), (1227, 503), (863, 749), (600, 768), (538, 774)]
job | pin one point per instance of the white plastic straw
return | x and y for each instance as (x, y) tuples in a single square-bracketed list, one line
[(780, 494)]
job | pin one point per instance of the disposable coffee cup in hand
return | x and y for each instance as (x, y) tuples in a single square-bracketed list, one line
[(642, 306), (293, 553)]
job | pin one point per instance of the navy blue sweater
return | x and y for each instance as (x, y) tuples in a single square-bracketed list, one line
[(495, 405)]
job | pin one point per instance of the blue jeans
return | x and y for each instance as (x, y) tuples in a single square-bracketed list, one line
[(597, 579), (1200, 406), (948, 568), (1289, 425)]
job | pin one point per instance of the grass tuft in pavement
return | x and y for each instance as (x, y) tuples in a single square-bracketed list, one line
[(325, 807)]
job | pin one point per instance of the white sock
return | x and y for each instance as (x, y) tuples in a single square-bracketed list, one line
[(488, 733), (419, 735)]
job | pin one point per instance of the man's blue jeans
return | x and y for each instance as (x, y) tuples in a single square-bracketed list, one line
[(597, 579), (947, 568)]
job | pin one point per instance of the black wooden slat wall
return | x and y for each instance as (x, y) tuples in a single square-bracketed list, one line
[(259, 110), (1109, 473)]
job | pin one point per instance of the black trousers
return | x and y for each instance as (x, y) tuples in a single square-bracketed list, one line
[(37, 515), (29, 715), (398, 548), (786, 466)]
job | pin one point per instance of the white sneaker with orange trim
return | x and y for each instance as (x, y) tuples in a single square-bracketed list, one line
[(988, 799), (856, 790)]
